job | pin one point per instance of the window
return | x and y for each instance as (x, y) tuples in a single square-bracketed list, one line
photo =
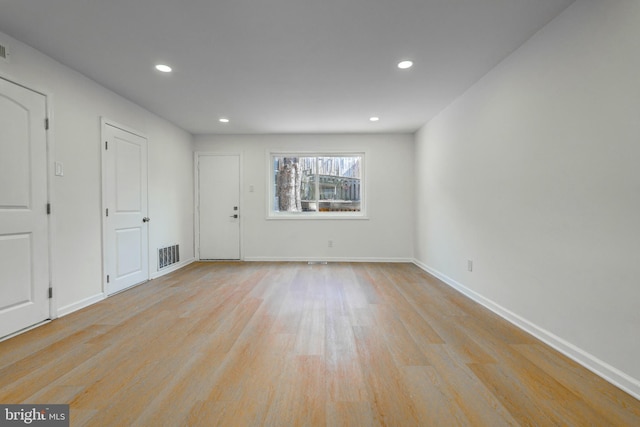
[(316, 185)]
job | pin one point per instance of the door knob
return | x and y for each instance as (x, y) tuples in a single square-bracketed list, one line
[(146, 219)]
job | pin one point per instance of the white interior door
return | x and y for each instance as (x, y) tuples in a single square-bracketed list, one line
[(219, 206), (24, 245), (126, 221)]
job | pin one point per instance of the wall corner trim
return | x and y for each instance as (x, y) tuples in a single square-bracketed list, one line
[(609, 373)]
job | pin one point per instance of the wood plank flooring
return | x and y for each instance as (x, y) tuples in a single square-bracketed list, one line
[(291, 344)]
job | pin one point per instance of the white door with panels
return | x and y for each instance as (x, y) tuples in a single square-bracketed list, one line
[(125, 208), (219, 206), (24, 235)]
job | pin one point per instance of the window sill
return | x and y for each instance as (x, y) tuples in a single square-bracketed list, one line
[(315, 216)]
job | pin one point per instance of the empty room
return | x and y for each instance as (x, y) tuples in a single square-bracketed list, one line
[(288, 213)]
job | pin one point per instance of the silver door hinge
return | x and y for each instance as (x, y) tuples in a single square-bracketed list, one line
[(50, 292), (48, 208), (106, 145), (46, 123), (107, 278), (107, 211)]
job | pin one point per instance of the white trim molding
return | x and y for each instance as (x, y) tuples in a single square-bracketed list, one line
[(611, 374), (68, 309), (326, 259), (172, 268)]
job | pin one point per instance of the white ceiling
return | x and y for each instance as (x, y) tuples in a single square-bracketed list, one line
[(282, 66)]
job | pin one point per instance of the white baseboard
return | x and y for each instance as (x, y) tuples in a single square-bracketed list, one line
[(68, 309), (602, 369), (172, 268), (27, 329), (326, 259)]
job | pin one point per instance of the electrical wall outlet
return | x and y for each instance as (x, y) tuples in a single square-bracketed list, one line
[(469, 265), (330, 243), (4, 52), (59, 169)]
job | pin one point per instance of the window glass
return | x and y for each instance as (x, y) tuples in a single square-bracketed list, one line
[(318, 184)]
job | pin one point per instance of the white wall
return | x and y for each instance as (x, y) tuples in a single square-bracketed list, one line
[(386, 235), (533, 174), (77, 104)]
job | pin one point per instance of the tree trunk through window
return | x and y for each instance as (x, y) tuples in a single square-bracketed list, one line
[(289, 185)]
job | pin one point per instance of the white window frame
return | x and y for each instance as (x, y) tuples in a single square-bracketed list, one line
[(276, 215)]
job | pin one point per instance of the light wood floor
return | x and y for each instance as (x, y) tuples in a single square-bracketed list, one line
[(291, 344)]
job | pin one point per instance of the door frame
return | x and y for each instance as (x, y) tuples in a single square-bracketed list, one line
[(196, 198), (103, 159), (51, 235)]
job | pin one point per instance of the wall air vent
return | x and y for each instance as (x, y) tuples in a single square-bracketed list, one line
[(3, 52), (167, 256)]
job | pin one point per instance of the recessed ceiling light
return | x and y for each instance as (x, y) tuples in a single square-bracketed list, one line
[(223, 120), (163, 68), (405, 64), (374, 119)]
